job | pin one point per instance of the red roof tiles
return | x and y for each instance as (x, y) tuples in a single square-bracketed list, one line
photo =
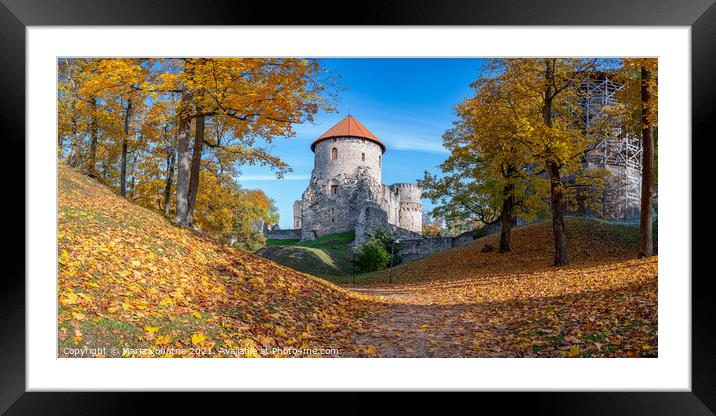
[(348, 127)]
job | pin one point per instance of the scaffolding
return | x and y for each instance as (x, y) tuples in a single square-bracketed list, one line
[(617, 151)]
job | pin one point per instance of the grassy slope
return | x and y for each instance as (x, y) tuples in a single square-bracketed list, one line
[(128, 278), (591, 242), (326, 256)]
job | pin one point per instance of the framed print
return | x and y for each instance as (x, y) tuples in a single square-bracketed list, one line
[(459, 197)]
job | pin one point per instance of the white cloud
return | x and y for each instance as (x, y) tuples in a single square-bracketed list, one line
[(416, 144)]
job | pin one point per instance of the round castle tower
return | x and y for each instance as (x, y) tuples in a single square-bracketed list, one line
[(345, 149), (410, 208)]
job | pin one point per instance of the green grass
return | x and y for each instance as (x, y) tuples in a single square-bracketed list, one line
[(281, 243), (335, 241), (328, 256)]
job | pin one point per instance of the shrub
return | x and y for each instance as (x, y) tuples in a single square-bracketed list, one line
[(479, 233), (385, 239), (372, 256)]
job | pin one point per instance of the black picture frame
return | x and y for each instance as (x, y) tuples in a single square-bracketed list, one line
[(15, 15)]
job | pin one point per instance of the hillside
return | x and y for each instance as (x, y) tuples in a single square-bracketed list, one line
[(128, 278), (591, 243), (327, 256)]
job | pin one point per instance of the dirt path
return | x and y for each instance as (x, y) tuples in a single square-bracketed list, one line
[(598, 311), (410, 324)]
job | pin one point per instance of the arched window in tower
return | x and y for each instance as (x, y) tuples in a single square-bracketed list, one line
[(334, 154), (362, 157), (334, 189), (380, 160)]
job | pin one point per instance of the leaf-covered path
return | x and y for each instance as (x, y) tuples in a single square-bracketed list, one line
[(467, 303), (404, 329), (609, 312)]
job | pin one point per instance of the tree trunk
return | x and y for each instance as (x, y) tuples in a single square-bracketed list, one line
[(646, 242), (60, 146), (183, 160), (91, 169), (171, 154), (556, 191), (557, 207), (125, 139), (506, 220), (123, 169), (195, 167), (73, 159), (90, 166)]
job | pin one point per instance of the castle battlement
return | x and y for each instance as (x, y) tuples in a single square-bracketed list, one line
[(406, 188), (408, 192)]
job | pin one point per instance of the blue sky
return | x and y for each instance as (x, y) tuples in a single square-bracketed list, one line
[(407, 103)]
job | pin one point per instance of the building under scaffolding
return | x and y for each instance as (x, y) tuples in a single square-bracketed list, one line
[(616, 151)]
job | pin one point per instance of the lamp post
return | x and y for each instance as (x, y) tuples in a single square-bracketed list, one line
[(392, 252), (353, 264)]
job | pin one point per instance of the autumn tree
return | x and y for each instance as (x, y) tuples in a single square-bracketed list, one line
[(488, 176), (522, 127), (77, 113), (545, 94), (478, 187), (153, 172), (256, 98), (119, 86), (432, 226), (638, 107), (157, 130), (226, 210)]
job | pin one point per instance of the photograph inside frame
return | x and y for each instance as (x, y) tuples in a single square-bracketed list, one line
[(357, 207)]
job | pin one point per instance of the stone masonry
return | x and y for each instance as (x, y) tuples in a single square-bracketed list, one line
[(345, 192)]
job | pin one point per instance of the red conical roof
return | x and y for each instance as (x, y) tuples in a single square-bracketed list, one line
[(348, 127)]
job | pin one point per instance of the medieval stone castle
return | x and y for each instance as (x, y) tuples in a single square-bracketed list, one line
[(345, 192)]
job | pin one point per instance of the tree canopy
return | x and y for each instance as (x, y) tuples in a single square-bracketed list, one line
[(128, 122)]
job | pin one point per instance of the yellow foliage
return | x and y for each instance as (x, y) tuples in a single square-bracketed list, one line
[(126, 264)]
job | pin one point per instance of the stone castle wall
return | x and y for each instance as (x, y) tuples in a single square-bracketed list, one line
[(412, 249), (290, 234), (372, 217)]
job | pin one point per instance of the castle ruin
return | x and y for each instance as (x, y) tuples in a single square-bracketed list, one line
[(345, 192)]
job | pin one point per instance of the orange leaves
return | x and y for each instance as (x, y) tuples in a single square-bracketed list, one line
[(163, 340), (127, 278), (69, 299), (574, 352), (630, 95), (64, 258), (465, 303), (245, 101), (131, 279), (198, 339)]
